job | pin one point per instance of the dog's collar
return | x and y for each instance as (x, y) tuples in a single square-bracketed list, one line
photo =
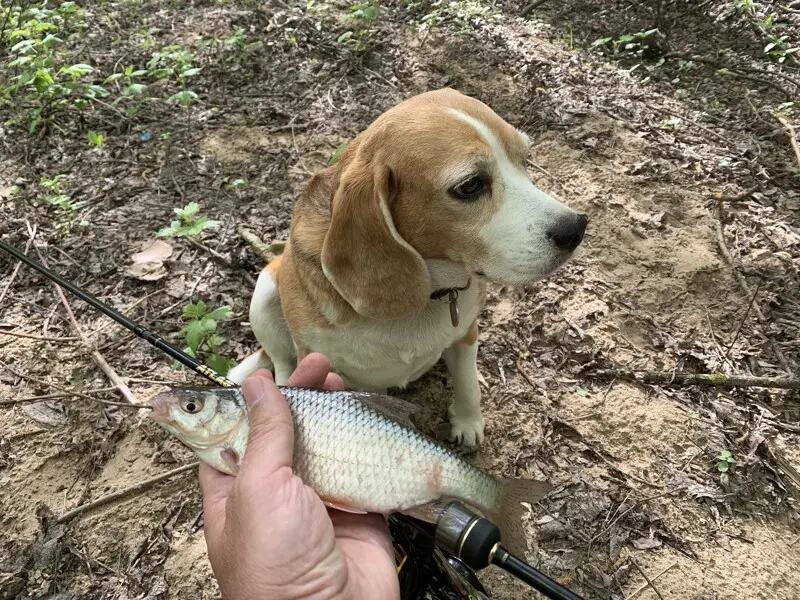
[(452, 300)]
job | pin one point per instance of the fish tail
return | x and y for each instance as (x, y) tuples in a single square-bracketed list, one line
[(510, 512)]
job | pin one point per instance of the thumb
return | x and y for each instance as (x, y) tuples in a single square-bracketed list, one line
[(270, 443)]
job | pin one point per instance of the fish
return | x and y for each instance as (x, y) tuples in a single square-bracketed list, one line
[(359, 452)]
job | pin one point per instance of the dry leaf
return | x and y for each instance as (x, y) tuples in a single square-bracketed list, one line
[(723, 541), (646, 543), (156, 251), (148, 264), (147, 271)]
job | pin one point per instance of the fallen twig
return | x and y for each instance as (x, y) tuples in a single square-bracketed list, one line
[(792, 138), (531, 7), (680, 378), (743, 319), (96, 356), (723, 248), (142, 485), (220, 258), (66, 394), (649, 583), (646, 578), (267, 252), (41, 338)]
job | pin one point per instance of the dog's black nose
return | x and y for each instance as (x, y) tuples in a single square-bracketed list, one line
[(567, 234)]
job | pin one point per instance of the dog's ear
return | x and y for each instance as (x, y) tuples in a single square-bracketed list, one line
[(363, 256)]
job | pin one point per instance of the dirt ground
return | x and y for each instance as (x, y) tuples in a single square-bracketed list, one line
[(672, 143)]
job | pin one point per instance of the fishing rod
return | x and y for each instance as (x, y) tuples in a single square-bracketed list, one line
[(473, 540)]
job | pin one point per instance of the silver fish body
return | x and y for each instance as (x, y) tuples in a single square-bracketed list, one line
[(349, 451)]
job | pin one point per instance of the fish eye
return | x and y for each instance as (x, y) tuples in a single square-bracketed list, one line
[(469, 189), (192, 405)]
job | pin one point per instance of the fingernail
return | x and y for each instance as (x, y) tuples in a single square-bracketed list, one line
[(253, 391)]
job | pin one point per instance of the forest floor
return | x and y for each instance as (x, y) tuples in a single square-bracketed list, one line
[(668, 122)]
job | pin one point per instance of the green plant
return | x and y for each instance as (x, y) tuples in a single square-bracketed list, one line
[(633, 44), (189, 224), (56, 196), (724, 461), (128, 77), (337, 153), (175, 63), (96, 139), (200, 333), (362, 15), (45, 81)]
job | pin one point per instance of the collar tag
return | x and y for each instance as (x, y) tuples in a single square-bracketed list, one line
[(454, 312)]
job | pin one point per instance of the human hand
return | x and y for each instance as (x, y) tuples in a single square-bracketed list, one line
[(269, 536)]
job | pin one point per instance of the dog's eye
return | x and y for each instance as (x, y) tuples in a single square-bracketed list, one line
[(469, 189)]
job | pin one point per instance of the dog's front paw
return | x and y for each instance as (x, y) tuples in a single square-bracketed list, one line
[(466, 429)]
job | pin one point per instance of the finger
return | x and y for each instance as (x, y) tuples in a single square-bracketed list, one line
[(333, 383), (370, 528), (310, 372), (216, 488), (270, 440)]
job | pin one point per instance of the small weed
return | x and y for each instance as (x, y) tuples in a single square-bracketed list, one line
[(633, 44), (96, 139), (362, 15), (337, 153), (200, 334), (189, 224), (724, 461), (56, 196)]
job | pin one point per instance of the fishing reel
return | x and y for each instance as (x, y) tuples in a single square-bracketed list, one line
[(439, 561)]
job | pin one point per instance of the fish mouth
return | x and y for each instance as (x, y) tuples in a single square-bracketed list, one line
[(160, 405)]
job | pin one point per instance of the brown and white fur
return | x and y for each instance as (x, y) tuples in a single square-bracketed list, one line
[(433, 195)]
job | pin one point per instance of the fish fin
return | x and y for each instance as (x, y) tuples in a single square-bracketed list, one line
[(399, 411), (342, 506), (428, 512), (509, 512), (231, 459)]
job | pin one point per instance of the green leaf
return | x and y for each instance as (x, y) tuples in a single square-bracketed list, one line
[(192, 311), (220, 364), (134, 89), (337, 153), (96, 138), (23, 47), (184, 97), (187, 211), (77, 71), (192, 72), (112, 78), (96, 91), (214, 341), (601, 41), (19, 61), (197, 330), (583, 392), (221, 313), (722, 467), (370, 13), (51, 40), (170, 231)]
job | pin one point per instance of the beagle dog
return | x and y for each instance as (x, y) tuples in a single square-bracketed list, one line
[(391, 248)]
